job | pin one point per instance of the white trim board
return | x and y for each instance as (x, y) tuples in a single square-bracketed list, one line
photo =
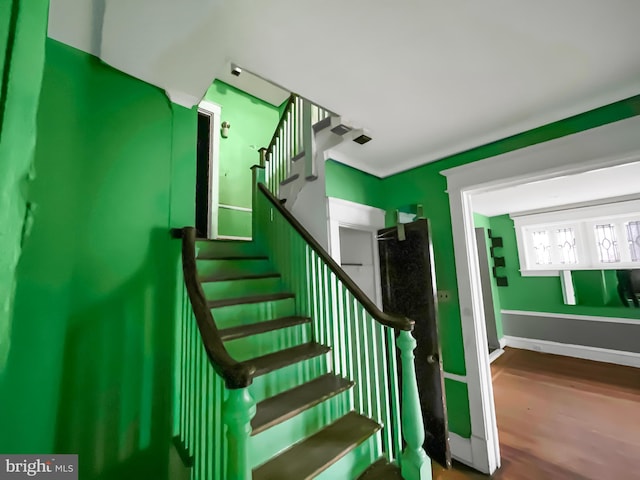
[(455, 376), (493, 356), (214, 111), (570, 316), (616, 143), (233, 237), (233, 207), (461, 449), (629, 359)]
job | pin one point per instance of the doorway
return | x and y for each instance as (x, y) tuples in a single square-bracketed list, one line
[(206, 201), (352, 243), (601, 147), (358, 261)]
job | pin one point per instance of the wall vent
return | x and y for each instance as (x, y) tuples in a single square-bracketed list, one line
[(341, 129), (362, 139)]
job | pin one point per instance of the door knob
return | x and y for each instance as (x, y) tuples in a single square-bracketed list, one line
[(431, 359)]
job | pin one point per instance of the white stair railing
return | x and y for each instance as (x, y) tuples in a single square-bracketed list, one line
[(292, 142)]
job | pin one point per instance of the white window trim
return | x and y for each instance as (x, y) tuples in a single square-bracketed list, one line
[(583, 220)]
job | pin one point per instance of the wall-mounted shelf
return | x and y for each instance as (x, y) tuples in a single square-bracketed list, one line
[(498, 261)]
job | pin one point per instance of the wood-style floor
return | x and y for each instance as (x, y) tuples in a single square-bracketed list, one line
[(562, 418)]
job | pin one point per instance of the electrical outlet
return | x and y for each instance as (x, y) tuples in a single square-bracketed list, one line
[(444, 295)]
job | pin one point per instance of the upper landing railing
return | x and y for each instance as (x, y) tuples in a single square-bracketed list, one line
[(292, 141)]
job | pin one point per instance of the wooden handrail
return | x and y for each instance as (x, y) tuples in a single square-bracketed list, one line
[(386, 319), (235, 374), (290, 103)]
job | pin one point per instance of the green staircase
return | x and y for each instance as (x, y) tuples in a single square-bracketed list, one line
[(284, 368), (303, 427)]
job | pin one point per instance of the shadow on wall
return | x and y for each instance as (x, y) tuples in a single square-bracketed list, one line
[(115, 396)]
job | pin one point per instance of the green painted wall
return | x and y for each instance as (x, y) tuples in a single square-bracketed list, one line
[(253, 123), (354, 185), (595, 290), (458, 407), (91, 360), (23, 27)]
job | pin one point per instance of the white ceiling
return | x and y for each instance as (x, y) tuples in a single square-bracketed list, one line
[(592, 186), (426, 78)]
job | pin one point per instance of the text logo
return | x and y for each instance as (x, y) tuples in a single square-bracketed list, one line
[(49, 467)]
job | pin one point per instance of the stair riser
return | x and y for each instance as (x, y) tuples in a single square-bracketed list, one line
[(272, 441), (288, 377), (243, 314), (269, 342), (227, 248), (232, 267), (241, 288), (354, 463)]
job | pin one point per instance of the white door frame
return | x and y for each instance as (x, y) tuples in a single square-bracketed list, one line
[(613, 144), (214, 111), (343, 213)]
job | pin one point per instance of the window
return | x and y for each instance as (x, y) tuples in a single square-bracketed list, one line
[(542, 247), (588, 238), (633, 237), (607, 243), (567, 244)]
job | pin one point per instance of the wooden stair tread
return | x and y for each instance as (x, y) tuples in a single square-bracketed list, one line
[(318, 452), (285, 405), (274, 361), (225, 302), (381, 470), (233, 333), (236, 276)]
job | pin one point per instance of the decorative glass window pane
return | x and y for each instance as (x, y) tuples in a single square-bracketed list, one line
[(607, 243), (567, 245), (542, 247), (633, 237)]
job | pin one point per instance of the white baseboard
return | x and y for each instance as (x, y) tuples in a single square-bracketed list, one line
[(465, 450), (495, 354), (502, 342), (618, 357), (461, 449)]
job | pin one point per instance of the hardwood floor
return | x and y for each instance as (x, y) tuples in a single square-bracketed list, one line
[(562, 418)]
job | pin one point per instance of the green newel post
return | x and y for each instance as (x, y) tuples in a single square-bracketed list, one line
[(239, 409), (414, 463)]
